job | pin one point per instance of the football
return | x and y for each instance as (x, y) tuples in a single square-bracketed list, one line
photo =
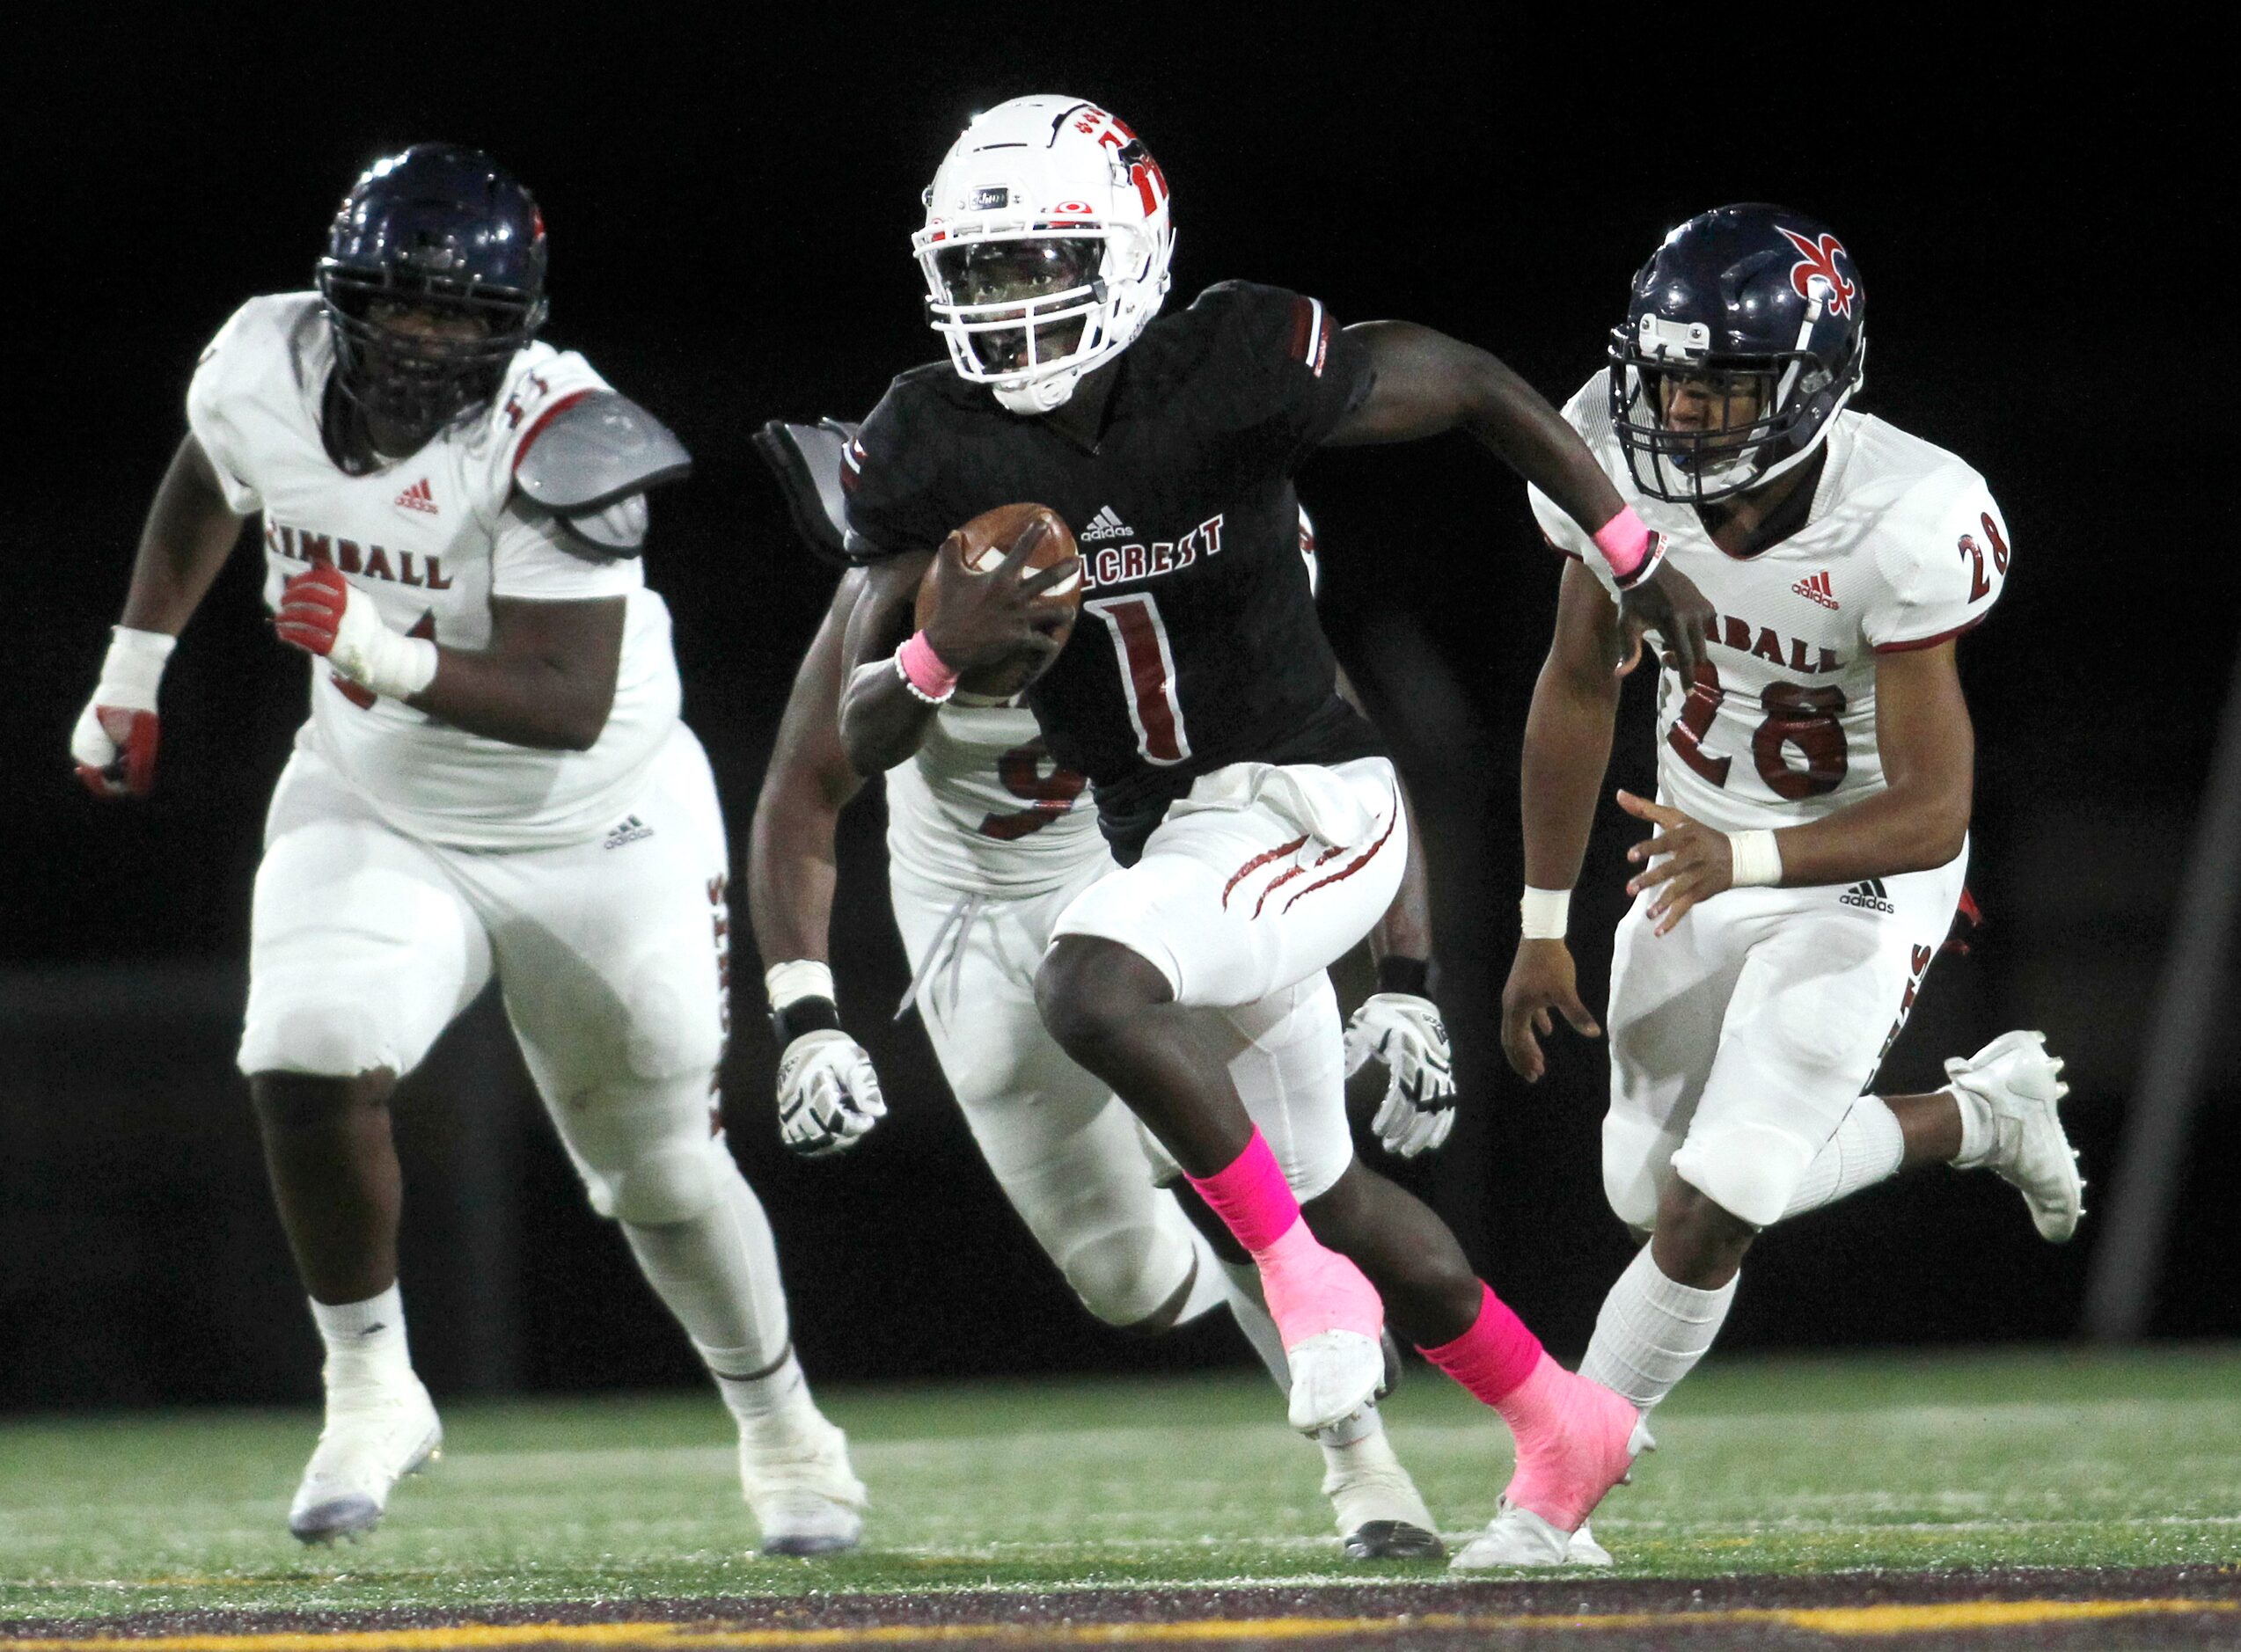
[(980, 544)]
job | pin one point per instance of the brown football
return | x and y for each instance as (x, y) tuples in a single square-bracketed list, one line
[(980, 544)]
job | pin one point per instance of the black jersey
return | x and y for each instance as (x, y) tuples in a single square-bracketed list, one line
[(1199, 643)]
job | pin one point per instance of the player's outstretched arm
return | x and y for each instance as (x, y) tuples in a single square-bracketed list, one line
[(828, 1092), (1918, 821), (1567, 748), (189, 532), (1399, 1025), (1427, 382)]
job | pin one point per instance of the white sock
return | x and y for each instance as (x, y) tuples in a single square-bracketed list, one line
[(769, 1403), (1868, 1147), (1978, 1137), (1243, 1282), (365, 1341), (1651, 1331), (1210, 1286), (718, 1272), (1252, 1316)]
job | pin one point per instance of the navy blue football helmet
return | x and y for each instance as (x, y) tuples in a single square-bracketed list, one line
[(1755, 311), (442, 228)]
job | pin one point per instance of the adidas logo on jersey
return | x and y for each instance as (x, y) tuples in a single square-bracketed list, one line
[(1106, 525), (418, 497), (630, 832), (1814, 588), (1870, 893)]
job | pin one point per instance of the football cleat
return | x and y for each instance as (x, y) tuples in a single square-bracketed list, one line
[(1334, 1374), (1380, 1515), (375, 1436), (1582, 1441), (1519, 1537), (803, 1492), (2021, 1086)]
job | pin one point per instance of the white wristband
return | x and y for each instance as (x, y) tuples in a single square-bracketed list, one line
[(1542, 913), (1755, 859), (789, 984), (133, 667), (377, 658)]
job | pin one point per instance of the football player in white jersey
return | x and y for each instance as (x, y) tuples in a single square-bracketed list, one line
[(988, 841), (1815, 781), (493, 780)]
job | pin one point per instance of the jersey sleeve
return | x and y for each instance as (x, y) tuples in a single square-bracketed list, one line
[(1296, 372), (1941, 559), (886, 478), (1588, 413), (224, 378), (544, 381), (531, 560)]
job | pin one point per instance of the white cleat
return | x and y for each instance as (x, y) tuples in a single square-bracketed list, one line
[(803, 1492), (1334, 1374), (1380, 1514), (1517, 1537), (375, 1436), (2021, 1084)]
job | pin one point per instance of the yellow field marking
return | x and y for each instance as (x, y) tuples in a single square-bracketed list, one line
[(1844, 1622)]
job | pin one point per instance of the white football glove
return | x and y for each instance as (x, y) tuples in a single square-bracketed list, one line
[(113, 743), (827, 1095), (1406, 1033)]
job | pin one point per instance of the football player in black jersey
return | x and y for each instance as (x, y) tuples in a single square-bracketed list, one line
[(1254, 813)]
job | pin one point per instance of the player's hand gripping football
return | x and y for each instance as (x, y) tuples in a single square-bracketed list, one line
[(1669, 603), (113, 742), (1541, 978), (1405, 1033), (828, 1094), (978, 620), (1686, 861)]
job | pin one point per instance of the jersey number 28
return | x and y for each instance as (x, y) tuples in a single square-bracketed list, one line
[(1798, 717)]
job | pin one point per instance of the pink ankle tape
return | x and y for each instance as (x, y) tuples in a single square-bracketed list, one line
[(1496, 1355), (1311, 1290), (922, 668), (1251, 1196), (1625, 540)]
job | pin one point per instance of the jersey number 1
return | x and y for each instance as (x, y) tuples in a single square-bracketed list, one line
[(1148, 674)]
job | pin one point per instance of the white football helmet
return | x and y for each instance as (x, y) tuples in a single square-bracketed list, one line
[(1045, 247)]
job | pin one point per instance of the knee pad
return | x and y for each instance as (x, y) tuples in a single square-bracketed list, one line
[(649, 1156), (1749, 1170), (1636, 1156), (1125, 1274)]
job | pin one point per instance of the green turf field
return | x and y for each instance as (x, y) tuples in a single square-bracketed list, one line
[(1795, 1466)]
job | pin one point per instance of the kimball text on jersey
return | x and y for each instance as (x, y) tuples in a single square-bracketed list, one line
[(373, 561)]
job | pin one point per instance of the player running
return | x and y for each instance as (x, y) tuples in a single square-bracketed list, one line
[(1254, 814), (988, 843), (492, 781), (1812, 826)]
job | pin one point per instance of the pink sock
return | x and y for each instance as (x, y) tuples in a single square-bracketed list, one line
[(1494, 1357), (1251, 1196), (1310, 1289)]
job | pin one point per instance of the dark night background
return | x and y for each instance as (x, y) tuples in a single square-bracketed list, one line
[(730, 215)]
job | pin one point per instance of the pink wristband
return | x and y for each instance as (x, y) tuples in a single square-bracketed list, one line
[(923, 670), (1624, 541)]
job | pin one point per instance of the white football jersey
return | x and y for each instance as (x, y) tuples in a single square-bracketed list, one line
[(1902, 548), (981, 808), (431, 540)]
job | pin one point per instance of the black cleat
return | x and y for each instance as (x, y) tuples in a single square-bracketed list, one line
[(1394, 1541)]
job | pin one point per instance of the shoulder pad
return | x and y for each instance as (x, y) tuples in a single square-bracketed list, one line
[(807, 460), (595, 450)]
